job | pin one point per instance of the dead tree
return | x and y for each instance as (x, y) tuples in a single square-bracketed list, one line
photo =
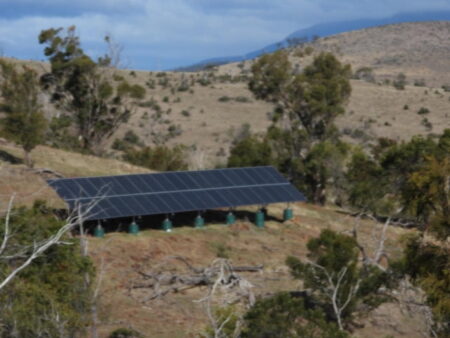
[(29, 253), (334, 287), (231, 288), (380, 239)]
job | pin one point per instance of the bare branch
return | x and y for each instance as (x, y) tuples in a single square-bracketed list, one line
[(6, 226), (39, 248)]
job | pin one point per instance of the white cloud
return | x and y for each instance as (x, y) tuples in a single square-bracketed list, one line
[(170, 32)]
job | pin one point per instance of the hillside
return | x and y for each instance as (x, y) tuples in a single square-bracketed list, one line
[(179, 314), (210, 116), (119, 257), (29, 184), (206, 110), (324, 30)]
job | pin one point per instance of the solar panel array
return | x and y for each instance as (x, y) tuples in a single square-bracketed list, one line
[(172, 192)]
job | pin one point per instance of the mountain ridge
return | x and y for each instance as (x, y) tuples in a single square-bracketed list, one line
[(324, 30)]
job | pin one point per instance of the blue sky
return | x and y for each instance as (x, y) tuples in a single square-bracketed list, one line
[(161, 34)]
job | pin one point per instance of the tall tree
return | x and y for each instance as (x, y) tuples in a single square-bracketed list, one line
[(306, 105), (24, 122), (310, 100), (83, 87)]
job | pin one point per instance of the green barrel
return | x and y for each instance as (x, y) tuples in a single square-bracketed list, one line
[(199, 222), (167, 225), (231, 219), (133, 228), (99, 231), (288, 214), (259, 219)]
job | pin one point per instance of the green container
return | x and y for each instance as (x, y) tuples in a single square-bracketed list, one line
[(259, 219), (167, 225), (199, 222), (288, 214), (133, 228), (231, 219), (99, 231)]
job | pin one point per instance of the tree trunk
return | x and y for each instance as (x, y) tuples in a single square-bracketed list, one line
[(27, 158)]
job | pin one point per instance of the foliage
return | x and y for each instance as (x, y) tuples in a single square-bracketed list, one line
[(131, 137), (125, 333), (423, 111), (312, 99), (428, 265), (228, 315), (250, 151), (408, 176), (161, 158), (283, 315), (80, 86), (364, 73), (368, 186), (412, 178), (24, 122), (338, 283), (400, 81), (49, 298), (307, 104)]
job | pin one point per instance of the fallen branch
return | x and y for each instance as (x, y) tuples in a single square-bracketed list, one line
[(165, 279), (47, 171)]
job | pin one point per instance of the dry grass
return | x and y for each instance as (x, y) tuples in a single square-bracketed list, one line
[(178, 315), (29, 186), (419, 50)]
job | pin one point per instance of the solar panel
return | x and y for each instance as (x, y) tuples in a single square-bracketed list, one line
[(172, 192)]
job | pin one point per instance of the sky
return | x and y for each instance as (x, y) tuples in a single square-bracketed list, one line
[(165, 34)]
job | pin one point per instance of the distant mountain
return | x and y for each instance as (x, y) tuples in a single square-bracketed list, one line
[(323, 30)]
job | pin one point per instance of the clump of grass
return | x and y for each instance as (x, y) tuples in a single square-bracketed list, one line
[(221, 250)]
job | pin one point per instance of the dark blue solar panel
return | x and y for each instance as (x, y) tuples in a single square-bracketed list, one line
[(147, 194)]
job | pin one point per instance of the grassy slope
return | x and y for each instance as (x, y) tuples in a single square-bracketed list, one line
[(420, 50), (28, 185), (209, 127), (179, 315)]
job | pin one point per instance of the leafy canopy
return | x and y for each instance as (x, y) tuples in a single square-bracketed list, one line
[(49, 298), (335, 277), (283, 315), (83, 87), (24, 122)]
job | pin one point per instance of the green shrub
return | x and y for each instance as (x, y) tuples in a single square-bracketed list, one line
[(400, 82), (420, 83), (250, 151), (125, 333), (446, 88), (423, 111), (428, 265), (283, 315), (131, 137), (221, 250), (242, 99), (161, 158), (426, 123), (332, 253), (54, 283), (120, 145), (224, 99)]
